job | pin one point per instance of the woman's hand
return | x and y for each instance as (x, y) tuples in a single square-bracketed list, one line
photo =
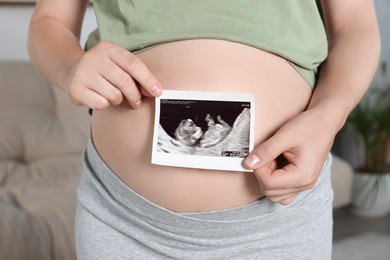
[(107, 74), (291, 160)]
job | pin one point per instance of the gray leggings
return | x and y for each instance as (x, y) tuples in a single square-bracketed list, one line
[(114, 222)]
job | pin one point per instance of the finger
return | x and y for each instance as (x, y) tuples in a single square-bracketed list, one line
[(132, 93), (108, 91), (289, 177), (122, 81), (269, 174), (125, 85), (92, 100), (268, 151), (281, 192), (119, 79), (285, 199), (270, 191), (98, 84), (266, 170), (273, 165), (82, 95), (288, 201), (134, 66)]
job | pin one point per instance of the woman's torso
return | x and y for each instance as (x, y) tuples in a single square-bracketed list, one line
[(123, 136)]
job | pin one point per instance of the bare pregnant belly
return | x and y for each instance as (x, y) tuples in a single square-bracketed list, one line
[(123, 136)]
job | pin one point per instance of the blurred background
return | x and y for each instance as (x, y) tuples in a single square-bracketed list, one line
[(356, 236)]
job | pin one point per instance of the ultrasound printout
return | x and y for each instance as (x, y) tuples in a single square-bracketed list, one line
[(206, 130)]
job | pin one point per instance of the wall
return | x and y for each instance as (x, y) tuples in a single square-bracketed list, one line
[(345, 144), (14, 22), (383, 13)]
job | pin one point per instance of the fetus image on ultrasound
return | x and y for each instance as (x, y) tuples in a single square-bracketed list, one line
[(216, 132), (187, 133), (210, 128)]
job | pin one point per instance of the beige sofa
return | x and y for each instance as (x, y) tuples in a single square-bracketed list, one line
[(42, 136)]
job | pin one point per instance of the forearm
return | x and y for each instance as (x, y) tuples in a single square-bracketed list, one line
[(54, 47), (354, 52)]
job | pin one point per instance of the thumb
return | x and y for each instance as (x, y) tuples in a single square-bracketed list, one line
[(267, 152)]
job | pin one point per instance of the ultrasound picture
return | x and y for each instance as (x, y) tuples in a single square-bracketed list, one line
[(200, 127)]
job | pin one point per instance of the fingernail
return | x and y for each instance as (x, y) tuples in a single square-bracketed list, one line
[(156, 90), (138, 104), (273, 166), (252, 160)]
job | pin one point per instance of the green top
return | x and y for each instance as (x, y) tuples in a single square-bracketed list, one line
[(292, 29)]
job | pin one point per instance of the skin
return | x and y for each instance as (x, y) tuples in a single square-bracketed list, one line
[(107, 74)]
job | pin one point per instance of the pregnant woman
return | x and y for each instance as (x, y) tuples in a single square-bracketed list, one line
[(306, 71)]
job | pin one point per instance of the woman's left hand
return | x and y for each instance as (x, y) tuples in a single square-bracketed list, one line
[(291, 160)]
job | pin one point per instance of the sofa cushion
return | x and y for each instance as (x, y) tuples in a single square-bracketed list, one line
[(41, 132), (42, 136)]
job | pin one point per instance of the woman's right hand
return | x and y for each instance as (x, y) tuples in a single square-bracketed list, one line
[(108, 73)]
